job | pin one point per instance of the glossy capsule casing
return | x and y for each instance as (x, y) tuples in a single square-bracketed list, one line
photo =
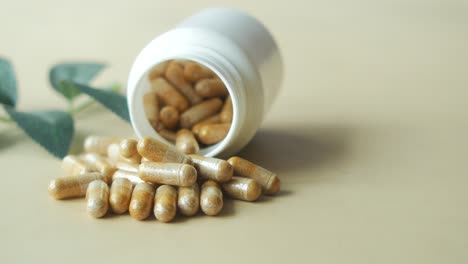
[(73, 165), (98, 144), (199, 112), (158, 70), (175, 75), (167, 134), (120, 195), (128, 148), (214, 133), (212, 168), (142, 201), (186, 142), (127, 166), (188, 201), (214, 119), (129, 175), (151, 107), (211, 198), (194, 72), (208, 88), (114, 156), (168, 173), (169, 95), (97, 198), (165, 203), (226, 112), (155, 150), (169, 117), (241, 188), (267, 179), (72, 186), (99, 163)]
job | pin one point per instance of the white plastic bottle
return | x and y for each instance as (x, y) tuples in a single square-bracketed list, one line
[(236, 47)]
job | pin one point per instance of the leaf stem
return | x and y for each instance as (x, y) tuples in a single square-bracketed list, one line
[(73, 110)]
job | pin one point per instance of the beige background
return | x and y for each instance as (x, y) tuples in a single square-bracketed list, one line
[(369, 136)]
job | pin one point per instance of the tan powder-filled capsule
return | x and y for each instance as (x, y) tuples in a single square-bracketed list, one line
[(214, 119), (186, 142), (208, 88), (212, 168), (194, 72), (120, 195), (168, 173), (199, 112), (211, 198), (169, 95), (128, 148), (211, 134), (151, 107), (165, 203), (242, 189), (226, 113), (267, 179), (188, 200), (167, 134), (97, 198), (142, 201), (99, 163), (126, 166), (155, 150), (175, 75), (158, 70), (72, 186), (169, 117), (114, 156), (99, 144), (73, 165), (129, 175)]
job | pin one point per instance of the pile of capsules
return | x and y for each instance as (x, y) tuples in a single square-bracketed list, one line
[(187, 100), (148, 175)]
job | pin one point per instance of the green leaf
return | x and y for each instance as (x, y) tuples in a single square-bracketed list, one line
[(8, 94), (113, 101), (53, 130), (62, 74)]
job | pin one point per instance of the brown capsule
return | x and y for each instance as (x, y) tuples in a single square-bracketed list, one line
[(99, 144), (120, 195), (186, 142), (199, 112), (211, 134), (189, 200), (242, 189), (114, 156), (158, 70), (208, 88), (169, 117), (175, 75), (155, 150), (128, 148), (167, 134), (97, 198), (168, 173), (72, 186), (169, 95), (212, 168), (226, 112), (126, 166), (194, 72), (99, 163), (211, 198), (165, 203), (142, 201), (267, 179), (129, 175), (215, 119), (151, 107), (73, 165)]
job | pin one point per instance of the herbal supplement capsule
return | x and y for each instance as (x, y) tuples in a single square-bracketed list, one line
[(194, 72), (99, 144), (168, 173), (100, 164), (186, 142), (169, 95), (199, 112), (211, 198), (151, 107), (242, 189), (188, 200), (72, 186), (142, 201), (120, 195), (128, 148), (155, 150), (175, 75), (212, 168), (113, 154), (129, 175), (126, 166), (158, 70), (267, 179), (215, 119), (165, 203), (226, 112), (169, 117), (211, 134), (167, 134), (97, 198), (73, 165), (208, 88)]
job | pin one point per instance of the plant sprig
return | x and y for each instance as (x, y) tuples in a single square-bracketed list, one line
[(54, 129)]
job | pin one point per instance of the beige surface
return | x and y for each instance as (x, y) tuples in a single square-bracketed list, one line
[(369, 136)]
